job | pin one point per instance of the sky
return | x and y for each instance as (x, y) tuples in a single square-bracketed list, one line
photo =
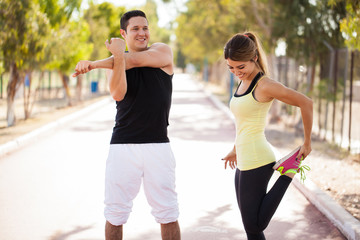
[(166, 11)]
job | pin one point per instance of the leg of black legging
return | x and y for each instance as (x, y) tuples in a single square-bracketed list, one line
[(272, 200), (255, 236), (257, 207), (237, 186), (253, 186), (250, 235)]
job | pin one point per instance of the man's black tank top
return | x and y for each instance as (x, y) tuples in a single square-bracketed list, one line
[(142, 116)]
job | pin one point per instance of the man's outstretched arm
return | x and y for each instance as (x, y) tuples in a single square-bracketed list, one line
[(158, 55), (85, 66)]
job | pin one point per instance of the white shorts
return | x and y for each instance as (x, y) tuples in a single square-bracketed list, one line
[(126, 166)]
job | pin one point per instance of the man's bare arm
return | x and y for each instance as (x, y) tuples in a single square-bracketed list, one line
[(117, 80), (85, 66), (158, 55)]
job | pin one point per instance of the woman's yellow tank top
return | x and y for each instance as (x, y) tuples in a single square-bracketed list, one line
[(252, 148)]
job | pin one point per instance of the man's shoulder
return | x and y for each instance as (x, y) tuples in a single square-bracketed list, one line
[(160, 46)]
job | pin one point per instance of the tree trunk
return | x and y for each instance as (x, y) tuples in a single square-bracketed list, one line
[(286, 74), (334, 96), (14, 83), (27, 94), (351, 95), (30, 96), (344, 96), (79, 81), (276, 106), (310, 84), (65, 81)]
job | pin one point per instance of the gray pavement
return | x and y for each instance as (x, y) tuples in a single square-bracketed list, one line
[(51, 183)]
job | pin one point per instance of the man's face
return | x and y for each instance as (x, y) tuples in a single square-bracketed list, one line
[(137, 34)]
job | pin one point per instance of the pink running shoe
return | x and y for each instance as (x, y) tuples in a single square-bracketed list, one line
[(289, 163)]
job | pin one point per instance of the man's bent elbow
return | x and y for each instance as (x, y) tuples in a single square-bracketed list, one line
[(118, 96), (118, 99)]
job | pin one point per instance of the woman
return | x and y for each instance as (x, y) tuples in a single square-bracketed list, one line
[(252, 154)]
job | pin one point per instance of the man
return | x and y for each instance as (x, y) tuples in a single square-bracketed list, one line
[(141, 84)]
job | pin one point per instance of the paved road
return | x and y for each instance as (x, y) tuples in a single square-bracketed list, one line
[(52, 189)]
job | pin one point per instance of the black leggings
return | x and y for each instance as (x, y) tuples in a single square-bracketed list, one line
[(256, 206)]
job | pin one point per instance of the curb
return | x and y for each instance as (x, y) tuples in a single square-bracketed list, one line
[(31, 136), (344, 221)]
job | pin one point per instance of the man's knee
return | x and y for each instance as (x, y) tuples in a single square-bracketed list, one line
[(116, 216), (166, 216)]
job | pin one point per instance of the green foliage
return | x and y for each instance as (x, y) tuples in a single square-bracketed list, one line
[(104, 23), (24, 35), (36, 32), (305, 27), (68, 45), (206, 26), (324, 90), (111, 15), (180, 59), (157, 34), (59, 12), (350, 26), (68, 42)]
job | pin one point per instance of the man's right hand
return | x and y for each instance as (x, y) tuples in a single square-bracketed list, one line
[(116, 46), (82, 67)]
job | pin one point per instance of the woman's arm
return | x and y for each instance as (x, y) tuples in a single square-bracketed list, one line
[(272, 89)]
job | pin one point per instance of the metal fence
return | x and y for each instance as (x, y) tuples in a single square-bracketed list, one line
[(332, 94)]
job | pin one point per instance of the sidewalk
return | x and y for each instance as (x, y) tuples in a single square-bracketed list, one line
[(201, 132)]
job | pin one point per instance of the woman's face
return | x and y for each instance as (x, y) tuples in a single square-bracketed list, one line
[(243, 70)]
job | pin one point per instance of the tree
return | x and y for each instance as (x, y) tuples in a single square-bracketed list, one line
[(157, 34), (67, 47), (205, 27), (350, 27), (61, 52), (23, 40), (104, 23)]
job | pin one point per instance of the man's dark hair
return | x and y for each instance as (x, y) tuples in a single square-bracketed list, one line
[(124, 21)]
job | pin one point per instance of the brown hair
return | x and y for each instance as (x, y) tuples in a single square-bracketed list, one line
[(124, 21), (245, 47)]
